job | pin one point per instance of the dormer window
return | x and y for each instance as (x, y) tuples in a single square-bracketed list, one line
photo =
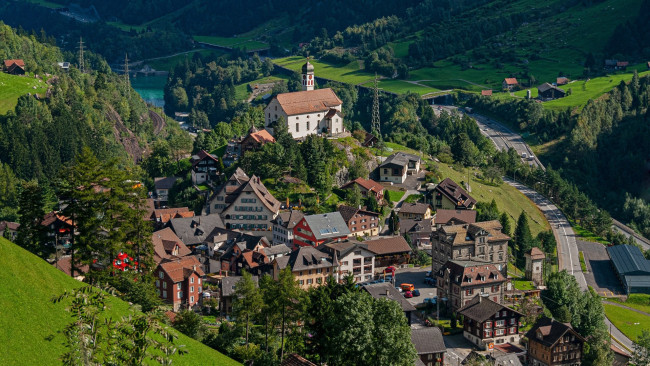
[(483, 278), (469, 279)]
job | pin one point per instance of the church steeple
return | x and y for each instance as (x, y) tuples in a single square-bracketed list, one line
[(307, 76)]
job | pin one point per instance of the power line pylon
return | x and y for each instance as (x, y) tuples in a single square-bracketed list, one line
[(376, 123), (126, 70), (81, 55)]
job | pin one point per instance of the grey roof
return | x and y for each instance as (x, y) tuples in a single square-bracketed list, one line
[(481, 309), (507, 360), (387, 291), (428, 340), (288, 219), (628, 259), (418, 362), (276, 250), (546, 86), (328, 225), (305, 258), (164, 182), (415, 226), (400, 158), (416, 208), (344, 248), (228, 284), (551, 331), (195, 230)]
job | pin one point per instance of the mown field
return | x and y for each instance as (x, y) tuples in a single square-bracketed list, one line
[(31, 325), (12, 87), (627, 321), (232, 42)]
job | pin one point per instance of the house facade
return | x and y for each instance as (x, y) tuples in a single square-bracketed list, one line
[(449, 195), (283, 225), (509, 84), (462, 281), (354, 259), (367, 187), (419, 231), (398, 166), (314, 230), (227, 192), (9, 230), (162, 185), (480, 241), (255, 140), (414, 211), (227, 292), (535, 265), (547, 91), (205, 167), (14, 67), (389, 251), (552, 343), (310, 266), (307, 112), (252, 209), (178, 282), (360, 222), (487, 323)]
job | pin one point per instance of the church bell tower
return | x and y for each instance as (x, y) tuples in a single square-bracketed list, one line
[(307, 76)]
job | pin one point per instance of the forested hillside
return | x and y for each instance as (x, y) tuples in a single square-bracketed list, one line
[(96, 109)]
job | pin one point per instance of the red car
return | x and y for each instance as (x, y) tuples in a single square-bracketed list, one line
[(390, 269), (408, 294)]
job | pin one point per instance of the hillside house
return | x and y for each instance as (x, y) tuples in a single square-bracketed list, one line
[(462, 281), (444, 217), (162, 185), (487, 323), (168, 246), (227, 192), (354, 259), (360, 222), (283, 225), (14, 67), (429, 345), (227, 292), (178, 282), (307, 112), (252, 208), (480, 241), (9, 230), (314, 230), (547, 91), (552, 343), (369, 139), (419, 231), (509, 84), (205, 167), (367, 187), (255, 140), (390, 251), (415, 211), (561, 81), (310, 266), (449, 195), (398, 166), (58, 228), (486, 93)]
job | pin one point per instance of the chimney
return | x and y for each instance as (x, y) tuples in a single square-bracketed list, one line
[(194, 267), (387, 292), (480, 298)]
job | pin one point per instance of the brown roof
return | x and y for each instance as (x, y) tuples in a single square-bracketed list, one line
[(52, 217), (256, 186), (348, 212), (551, 331), (444, 216), (428, 340), (368, 184), (296, 360), (467, 233), (170, 315), (395, 244), (481, 309), (304, 258), (181, 269), (8, 224), (289, 219), (416, 208), (309, 101), (535, 253), (262, 136), (18, 62), (511, 81), (64, 265), (166, 214), (165, 242), (486, 92), (202, 155), (561, 80), (455, 193), (480, 273)]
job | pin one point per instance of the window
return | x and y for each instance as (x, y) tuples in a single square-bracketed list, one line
[(297, 127), (319, 280), (191, 279), (320, 270), (191, 288), (157, 283), (512, 321), (200, 289), (488, 333), (307, 125), (302, 282), (488, 325), (310, 281), (191, 299), (499, 332), (161, 274), (180, 294), (501, 323), (164, 294), (164, 284), (513, 330), (178, 285)]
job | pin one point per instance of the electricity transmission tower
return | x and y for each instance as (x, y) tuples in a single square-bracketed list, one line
[(81, 54), (126, 70), (376, 124)]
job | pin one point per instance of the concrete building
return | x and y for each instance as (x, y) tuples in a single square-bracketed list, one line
[(354, 258)]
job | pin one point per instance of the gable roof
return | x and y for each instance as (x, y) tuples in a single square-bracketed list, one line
[(368, 184), (400, 159), (262, 136), (387, 291), (277, 250), (164, 242), (415, 226), (414, 208), (511, 81), (296, 360), (546, 86), (343, 248), (289, 219), (628, 259), (461, 272), (18, 62), (481, 309), (195, 230), (561, 80), (166, 214), (535, 253), (228, 284), (164, 182), (64, 264), (467, 233), (8, 224), (255, 185), (551, 331), (327, 225), (348, 212), (455, 193), (486, 92), (202, 155), (428, 340), (308, 101), (444, 216), (394, 244), (306, 258), (182, 268)]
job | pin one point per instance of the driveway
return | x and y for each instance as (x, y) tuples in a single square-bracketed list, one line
[(415, 276), (600, 273)]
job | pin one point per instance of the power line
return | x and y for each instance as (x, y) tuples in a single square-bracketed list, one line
[(376, 123), (81, 54), (126, 70)]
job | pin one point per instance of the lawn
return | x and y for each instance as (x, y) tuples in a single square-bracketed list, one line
[(401, 87), (350, 73), (587, 235), (413, 198), (627, 321), (242, 92), (31, 325), (583, 265), (523, 285), (13, 86), (645, 307), (394, 196), (231, 42)]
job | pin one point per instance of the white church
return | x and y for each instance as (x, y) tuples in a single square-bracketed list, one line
[(307, 112)]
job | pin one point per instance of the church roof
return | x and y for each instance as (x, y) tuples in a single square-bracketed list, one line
[(307, 67), (309, 101)]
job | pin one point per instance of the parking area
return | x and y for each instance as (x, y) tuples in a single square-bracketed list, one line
[(416, 277), (600, 273)]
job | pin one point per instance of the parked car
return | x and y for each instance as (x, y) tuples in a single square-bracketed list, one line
[(430, 281), (399, 289), (430, 300), (408, 294), (390, 269), (415, 293), (388, 278), (407, 287), (429, 274)]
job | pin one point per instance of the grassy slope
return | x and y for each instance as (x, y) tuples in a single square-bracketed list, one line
[(627, 321), (12, 87), (28, 318)]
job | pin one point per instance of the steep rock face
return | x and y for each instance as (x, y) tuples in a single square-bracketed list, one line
[(124, 136), (342, 176)]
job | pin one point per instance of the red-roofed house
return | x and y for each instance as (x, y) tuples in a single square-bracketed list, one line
[(166, 245), (255, 140), (366, 186), (178, 282), (561, 81), (14, 67), (486, 93), (510, 83)]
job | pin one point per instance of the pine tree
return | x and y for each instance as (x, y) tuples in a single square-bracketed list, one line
[(31, 234), (523, 239), (248, 301), (506, 227)]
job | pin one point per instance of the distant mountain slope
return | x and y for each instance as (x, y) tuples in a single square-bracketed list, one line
[(30, 323)]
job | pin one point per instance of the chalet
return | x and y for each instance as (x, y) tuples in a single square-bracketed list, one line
[(162, 216), (227, 193), (227, 292), (430, 345), (389, 292), (369, 140), (58, 228), (295, 359), (561, 81), (551, 343), (367, 187), (391, 251), (631, 268), (9, 230), (480, 241), (622, 65), (178, 282), (162, 185), (255, 140), (509, 83), (205, 167), (462, 281), (547, 91), (307, 112), (419, 231), (397, 166), (486, 93), (14, 67), (445, 217), (535, 265), (310, 266), (251, 209), (354, 259), (314, 230), (360, 222), (168, 246), (415, 211), (449, 195), (193, 231), (487, 323), (283, 225)]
